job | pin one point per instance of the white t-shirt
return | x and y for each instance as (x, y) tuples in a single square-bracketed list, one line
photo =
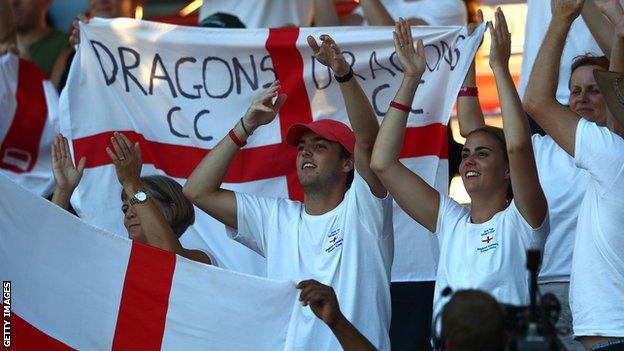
[(564, 185), (489, 256), (580, 41), (434, 12), (597, 281), (349, 248), (262, 13)]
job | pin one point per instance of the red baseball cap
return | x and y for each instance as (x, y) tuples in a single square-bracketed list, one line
[(326, 128)]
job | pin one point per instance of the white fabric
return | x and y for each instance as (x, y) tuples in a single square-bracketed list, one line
[(349, 248), (579, 42), (564, 186), (434, 12), (262, 13), (597, 281), (87, 94), (489, 256), (39, 180), (61, 266)]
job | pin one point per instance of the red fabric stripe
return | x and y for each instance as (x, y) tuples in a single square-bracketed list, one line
[(25, 336), (179, 161), (288, 65), (429, 140), (145, 299), (20, 148)]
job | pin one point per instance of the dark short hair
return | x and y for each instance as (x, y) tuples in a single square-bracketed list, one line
[(344, 154), (588, 59), (499, 135), (166, 192), (474, 321)]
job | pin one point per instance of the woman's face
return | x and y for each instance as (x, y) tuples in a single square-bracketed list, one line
[(132, 223), (483, 167), (585, 97)]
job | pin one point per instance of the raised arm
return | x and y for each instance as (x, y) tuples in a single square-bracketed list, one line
[(410, 191), (359, 110), (469, 113), (599, 27), (528, 194), (540, 98), (325, 14), (158, 232), (203, 187), (612, 10), (66, 175), (323, 302)]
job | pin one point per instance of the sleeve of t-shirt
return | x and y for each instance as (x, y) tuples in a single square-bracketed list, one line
[(534, 237), (449, 213), (254, 215), (600, 152), (371, 209)]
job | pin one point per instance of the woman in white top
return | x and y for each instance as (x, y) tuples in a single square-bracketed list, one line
[(483, 246)]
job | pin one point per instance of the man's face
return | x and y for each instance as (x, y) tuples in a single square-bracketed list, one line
[(29, 13), (585, 97), (319, 163), (111, 8)]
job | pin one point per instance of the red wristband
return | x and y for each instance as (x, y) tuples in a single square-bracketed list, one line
[(400, 106), (235, 139), (468, 91)]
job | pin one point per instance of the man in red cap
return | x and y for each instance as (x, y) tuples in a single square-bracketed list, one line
[(341, 235)]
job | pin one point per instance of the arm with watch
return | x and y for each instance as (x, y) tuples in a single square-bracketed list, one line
[(157, 230), (203, 186), (359, 110)]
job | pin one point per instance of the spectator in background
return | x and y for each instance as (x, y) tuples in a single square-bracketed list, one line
[(386, 12), (472, 320), (37, 41), (596, 290), (262, 13)]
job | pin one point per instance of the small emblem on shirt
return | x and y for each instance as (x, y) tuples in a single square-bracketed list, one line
[(487, 242), (334, 240)]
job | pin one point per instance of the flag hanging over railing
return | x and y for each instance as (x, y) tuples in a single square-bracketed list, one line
[(74, 286)]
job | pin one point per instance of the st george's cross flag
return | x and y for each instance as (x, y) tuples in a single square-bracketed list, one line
[(179, 90), (28, 122), (68, 285)]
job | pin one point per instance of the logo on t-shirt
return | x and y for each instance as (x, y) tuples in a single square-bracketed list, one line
[(333, 240), (486, 240)]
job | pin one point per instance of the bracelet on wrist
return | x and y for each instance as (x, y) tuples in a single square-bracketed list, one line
[(401, 107), (468, 91), (235, 139), (343, 79), (245, 128)]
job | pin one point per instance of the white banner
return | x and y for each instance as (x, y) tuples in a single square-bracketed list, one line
[(28, 123), (178, 90), (71, 285)]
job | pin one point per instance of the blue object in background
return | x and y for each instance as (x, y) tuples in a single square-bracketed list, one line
[(63, 12)]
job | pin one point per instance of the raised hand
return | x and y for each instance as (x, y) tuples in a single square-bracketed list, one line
[(74, 38), (329, 54), (612, 9), (8, 48), (66, 175), (412, 60), (473, 25), (567, 10), (500, 48), (126, 158), (263, 109), (321, 299)]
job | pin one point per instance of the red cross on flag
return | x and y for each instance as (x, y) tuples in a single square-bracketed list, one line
[(178, 91), (28, 122)]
